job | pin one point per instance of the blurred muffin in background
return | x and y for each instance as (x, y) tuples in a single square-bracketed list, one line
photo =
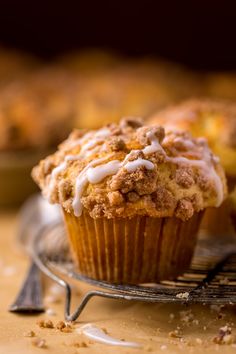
[(15, 64), (89, 61), (221, 85), (133, 87), (35, 115), (216, 121), (232, 199), (212, 119)]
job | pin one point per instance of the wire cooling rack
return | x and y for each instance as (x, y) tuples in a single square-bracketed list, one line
[(211, 278)]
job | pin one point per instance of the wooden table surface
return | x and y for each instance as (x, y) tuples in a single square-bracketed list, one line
[(151, 325)]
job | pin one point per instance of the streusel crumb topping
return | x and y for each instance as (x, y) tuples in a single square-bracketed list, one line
[(130, 169), (215, 119)]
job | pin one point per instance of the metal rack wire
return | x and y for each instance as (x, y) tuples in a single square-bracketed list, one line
[(211, 278)]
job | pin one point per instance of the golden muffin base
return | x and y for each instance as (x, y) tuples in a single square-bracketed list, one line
[(136, 250)]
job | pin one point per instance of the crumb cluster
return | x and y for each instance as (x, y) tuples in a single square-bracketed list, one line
[(184, 177)]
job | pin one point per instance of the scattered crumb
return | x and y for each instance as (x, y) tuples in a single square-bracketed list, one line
[(29, 334), (224, 336), (196, 322), (64, 327), (39, 343), (224, 281), (104, 330), (163, 347), (221, 315), (186, 316), (60, 325), (66, 330), (175, 334), (50, 312), (45, 324), (182, 295), (80, 345), (172, 316), (204, 328)]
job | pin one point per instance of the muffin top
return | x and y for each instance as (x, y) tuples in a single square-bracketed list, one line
[(215, 120), (129, 169), (36, 113)]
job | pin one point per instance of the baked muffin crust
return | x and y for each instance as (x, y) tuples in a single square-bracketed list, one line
[(214, 119), (36, 113), (130, 169)]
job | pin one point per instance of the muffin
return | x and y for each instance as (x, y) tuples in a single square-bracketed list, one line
[(215, 120), (35, 115), (132, 197)]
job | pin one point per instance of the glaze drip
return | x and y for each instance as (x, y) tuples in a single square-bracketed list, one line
[(98, 335)]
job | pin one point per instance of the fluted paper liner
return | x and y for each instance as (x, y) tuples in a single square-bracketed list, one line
[(136, 250)]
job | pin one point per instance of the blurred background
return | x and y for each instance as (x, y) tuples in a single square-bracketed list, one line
[(196, 33), (84, 64)]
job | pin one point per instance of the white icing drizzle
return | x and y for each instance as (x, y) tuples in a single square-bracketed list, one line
[(58, 169), (187, 143), (97, 174), (131, 166), (98, 335), (206, 166), (85, 152), (91, 152), (53, 176), (155, 145), (80, 184), (96, 137), (80, 141), (99, 137), (72, 157)]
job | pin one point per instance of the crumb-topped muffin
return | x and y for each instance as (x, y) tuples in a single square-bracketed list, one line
[(215, 120), (35, 115), (132, 197)]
